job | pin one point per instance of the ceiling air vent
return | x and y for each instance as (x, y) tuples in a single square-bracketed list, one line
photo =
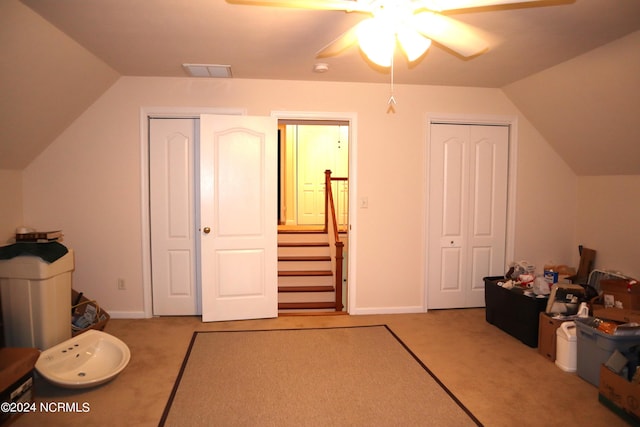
[(208, 70)]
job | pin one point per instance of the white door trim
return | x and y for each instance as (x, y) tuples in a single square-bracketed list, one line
[(471, 119), (353, 187), (145, 114)]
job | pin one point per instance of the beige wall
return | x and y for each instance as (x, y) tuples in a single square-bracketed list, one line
[(10, 204), (609, 221), (87, 182)]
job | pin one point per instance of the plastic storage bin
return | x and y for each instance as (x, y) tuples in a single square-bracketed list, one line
[(36, 303), (512, 311), (566, 347), (595, 347)]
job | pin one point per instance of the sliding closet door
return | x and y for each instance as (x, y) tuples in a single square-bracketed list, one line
[(172, 146)]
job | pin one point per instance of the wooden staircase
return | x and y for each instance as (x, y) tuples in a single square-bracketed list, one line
[(305, 278)]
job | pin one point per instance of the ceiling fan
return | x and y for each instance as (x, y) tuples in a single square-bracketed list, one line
[(412, 24)]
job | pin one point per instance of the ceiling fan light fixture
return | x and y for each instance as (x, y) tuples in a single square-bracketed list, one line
[(413, 44), (376, 41)]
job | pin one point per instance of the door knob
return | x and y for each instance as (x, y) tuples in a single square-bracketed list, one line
[(207, 230)]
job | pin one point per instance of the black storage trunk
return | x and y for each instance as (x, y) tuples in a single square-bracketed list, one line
[(512, 311)]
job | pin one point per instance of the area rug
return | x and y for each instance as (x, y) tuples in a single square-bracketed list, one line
[(355, 376)]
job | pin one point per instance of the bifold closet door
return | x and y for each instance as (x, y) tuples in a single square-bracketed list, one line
[(468, 177)]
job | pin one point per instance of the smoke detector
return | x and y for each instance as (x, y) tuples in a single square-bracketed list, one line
[(321, 67)]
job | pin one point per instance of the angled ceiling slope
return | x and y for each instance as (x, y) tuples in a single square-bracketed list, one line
[(588, 108), (46, 79)]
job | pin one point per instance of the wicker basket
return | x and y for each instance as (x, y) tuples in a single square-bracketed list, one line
[(86, 314)]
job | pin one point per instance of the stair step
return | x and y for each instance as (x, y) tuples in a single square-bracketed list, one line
[(302, 237), (306, 273), (301, 244), (302, 231), (304, 264), (300, 262), (305, 281), (305, 288), (304, 251), (305, 305), (304, 258)]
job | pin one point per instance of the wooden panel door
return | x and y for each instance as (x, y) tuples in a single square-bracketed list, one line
[(238, 205)]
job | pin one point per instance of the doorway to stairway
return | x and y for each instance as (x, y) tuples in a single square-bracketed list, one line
[(308, 148), (314, 158)]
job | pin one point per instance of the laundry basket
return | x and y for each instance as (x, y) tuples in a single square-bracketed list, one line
[(86, 314)]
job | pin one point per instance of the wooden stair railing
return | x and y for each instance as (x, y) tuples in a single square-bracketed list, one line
[(331, 228)]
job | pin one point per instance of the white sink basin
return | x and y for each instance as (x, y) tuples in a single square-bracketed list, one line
[(87, 360)]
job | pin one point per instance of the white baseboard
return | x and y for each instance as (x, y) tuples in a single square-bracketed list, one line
[(388, 310), (357, 311)]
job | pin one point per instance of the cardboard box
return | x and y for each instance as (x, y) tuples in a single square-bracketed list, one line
[(620, 293), (619, 395), (616, 314), (547, 339), (16, 378)]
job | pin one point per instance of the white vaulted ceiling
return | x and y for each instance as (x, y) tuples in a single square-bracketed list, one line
[(551, 61)]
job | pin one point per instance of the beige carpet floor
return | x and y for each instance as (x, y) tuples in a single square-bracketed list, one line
[(356, 376), (500, 380)]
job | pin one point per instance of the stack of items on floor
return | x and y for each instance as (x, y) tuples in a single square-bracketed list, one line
[(604, 348), (514, 301), (37, 307), (34, 278), (609, 347), (588, 325)]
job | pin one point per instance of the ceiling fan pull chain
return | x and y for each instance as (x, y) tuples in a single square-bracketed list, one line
[(392, 100)]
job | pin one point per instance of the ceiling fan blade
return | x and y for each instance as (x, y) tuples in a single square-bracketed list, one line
[(442, 5), (345, 5), (344, 41), (460, 38)]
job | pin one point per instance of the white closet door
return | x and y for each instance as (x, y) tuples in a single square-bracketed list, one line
[(468, 172), (172, 144)]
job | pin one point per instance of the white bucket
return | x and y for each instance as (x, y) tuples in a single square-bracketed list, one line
[(566, 347)]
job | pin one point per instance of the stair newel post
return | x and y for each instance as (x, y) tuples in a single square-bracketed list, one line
[(338, 275), (331, 227), (327, 189)]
